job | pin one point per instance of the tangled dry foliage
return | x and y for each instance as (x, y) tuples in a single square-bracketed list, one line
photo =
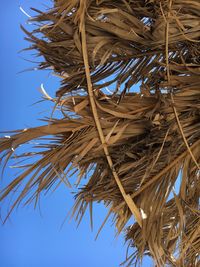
[(131, 146)]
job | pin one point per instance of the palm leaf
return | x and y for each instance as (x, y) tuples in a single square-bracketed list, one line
[(131, 146)]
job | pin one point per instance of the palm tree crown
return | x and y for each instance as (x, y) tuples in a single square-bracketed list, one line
[(131, 145)]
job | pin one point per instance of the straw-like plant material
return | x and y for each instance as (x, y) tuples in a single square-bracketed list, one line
[(131, 146)]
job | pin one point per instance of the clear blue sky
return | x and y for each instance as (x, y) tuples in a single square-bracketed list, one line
[(31, 239)]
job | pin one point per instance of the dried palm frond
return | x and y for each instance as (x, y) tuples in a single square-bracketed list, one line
[(132, 146)]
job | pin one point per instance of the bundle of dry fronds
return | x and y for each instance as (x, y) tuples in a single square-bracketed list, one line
[(131, 146)]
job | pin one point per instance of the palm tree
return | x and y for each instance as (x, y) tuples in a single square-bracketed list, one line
[(131, 145)]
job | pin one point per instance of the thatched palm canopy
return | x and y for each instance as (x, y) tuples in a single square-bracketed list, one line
[(132, 146)]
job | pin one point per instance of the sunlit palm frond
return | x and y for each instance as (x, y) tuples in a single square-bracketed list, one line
[(131, 146)]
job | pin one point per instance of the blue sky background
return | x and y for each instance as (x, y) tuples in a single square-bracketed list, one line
[(32, 238)]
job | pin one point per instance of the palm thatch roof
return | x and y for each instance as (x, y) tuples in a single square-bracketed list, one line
[(131, 145)]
